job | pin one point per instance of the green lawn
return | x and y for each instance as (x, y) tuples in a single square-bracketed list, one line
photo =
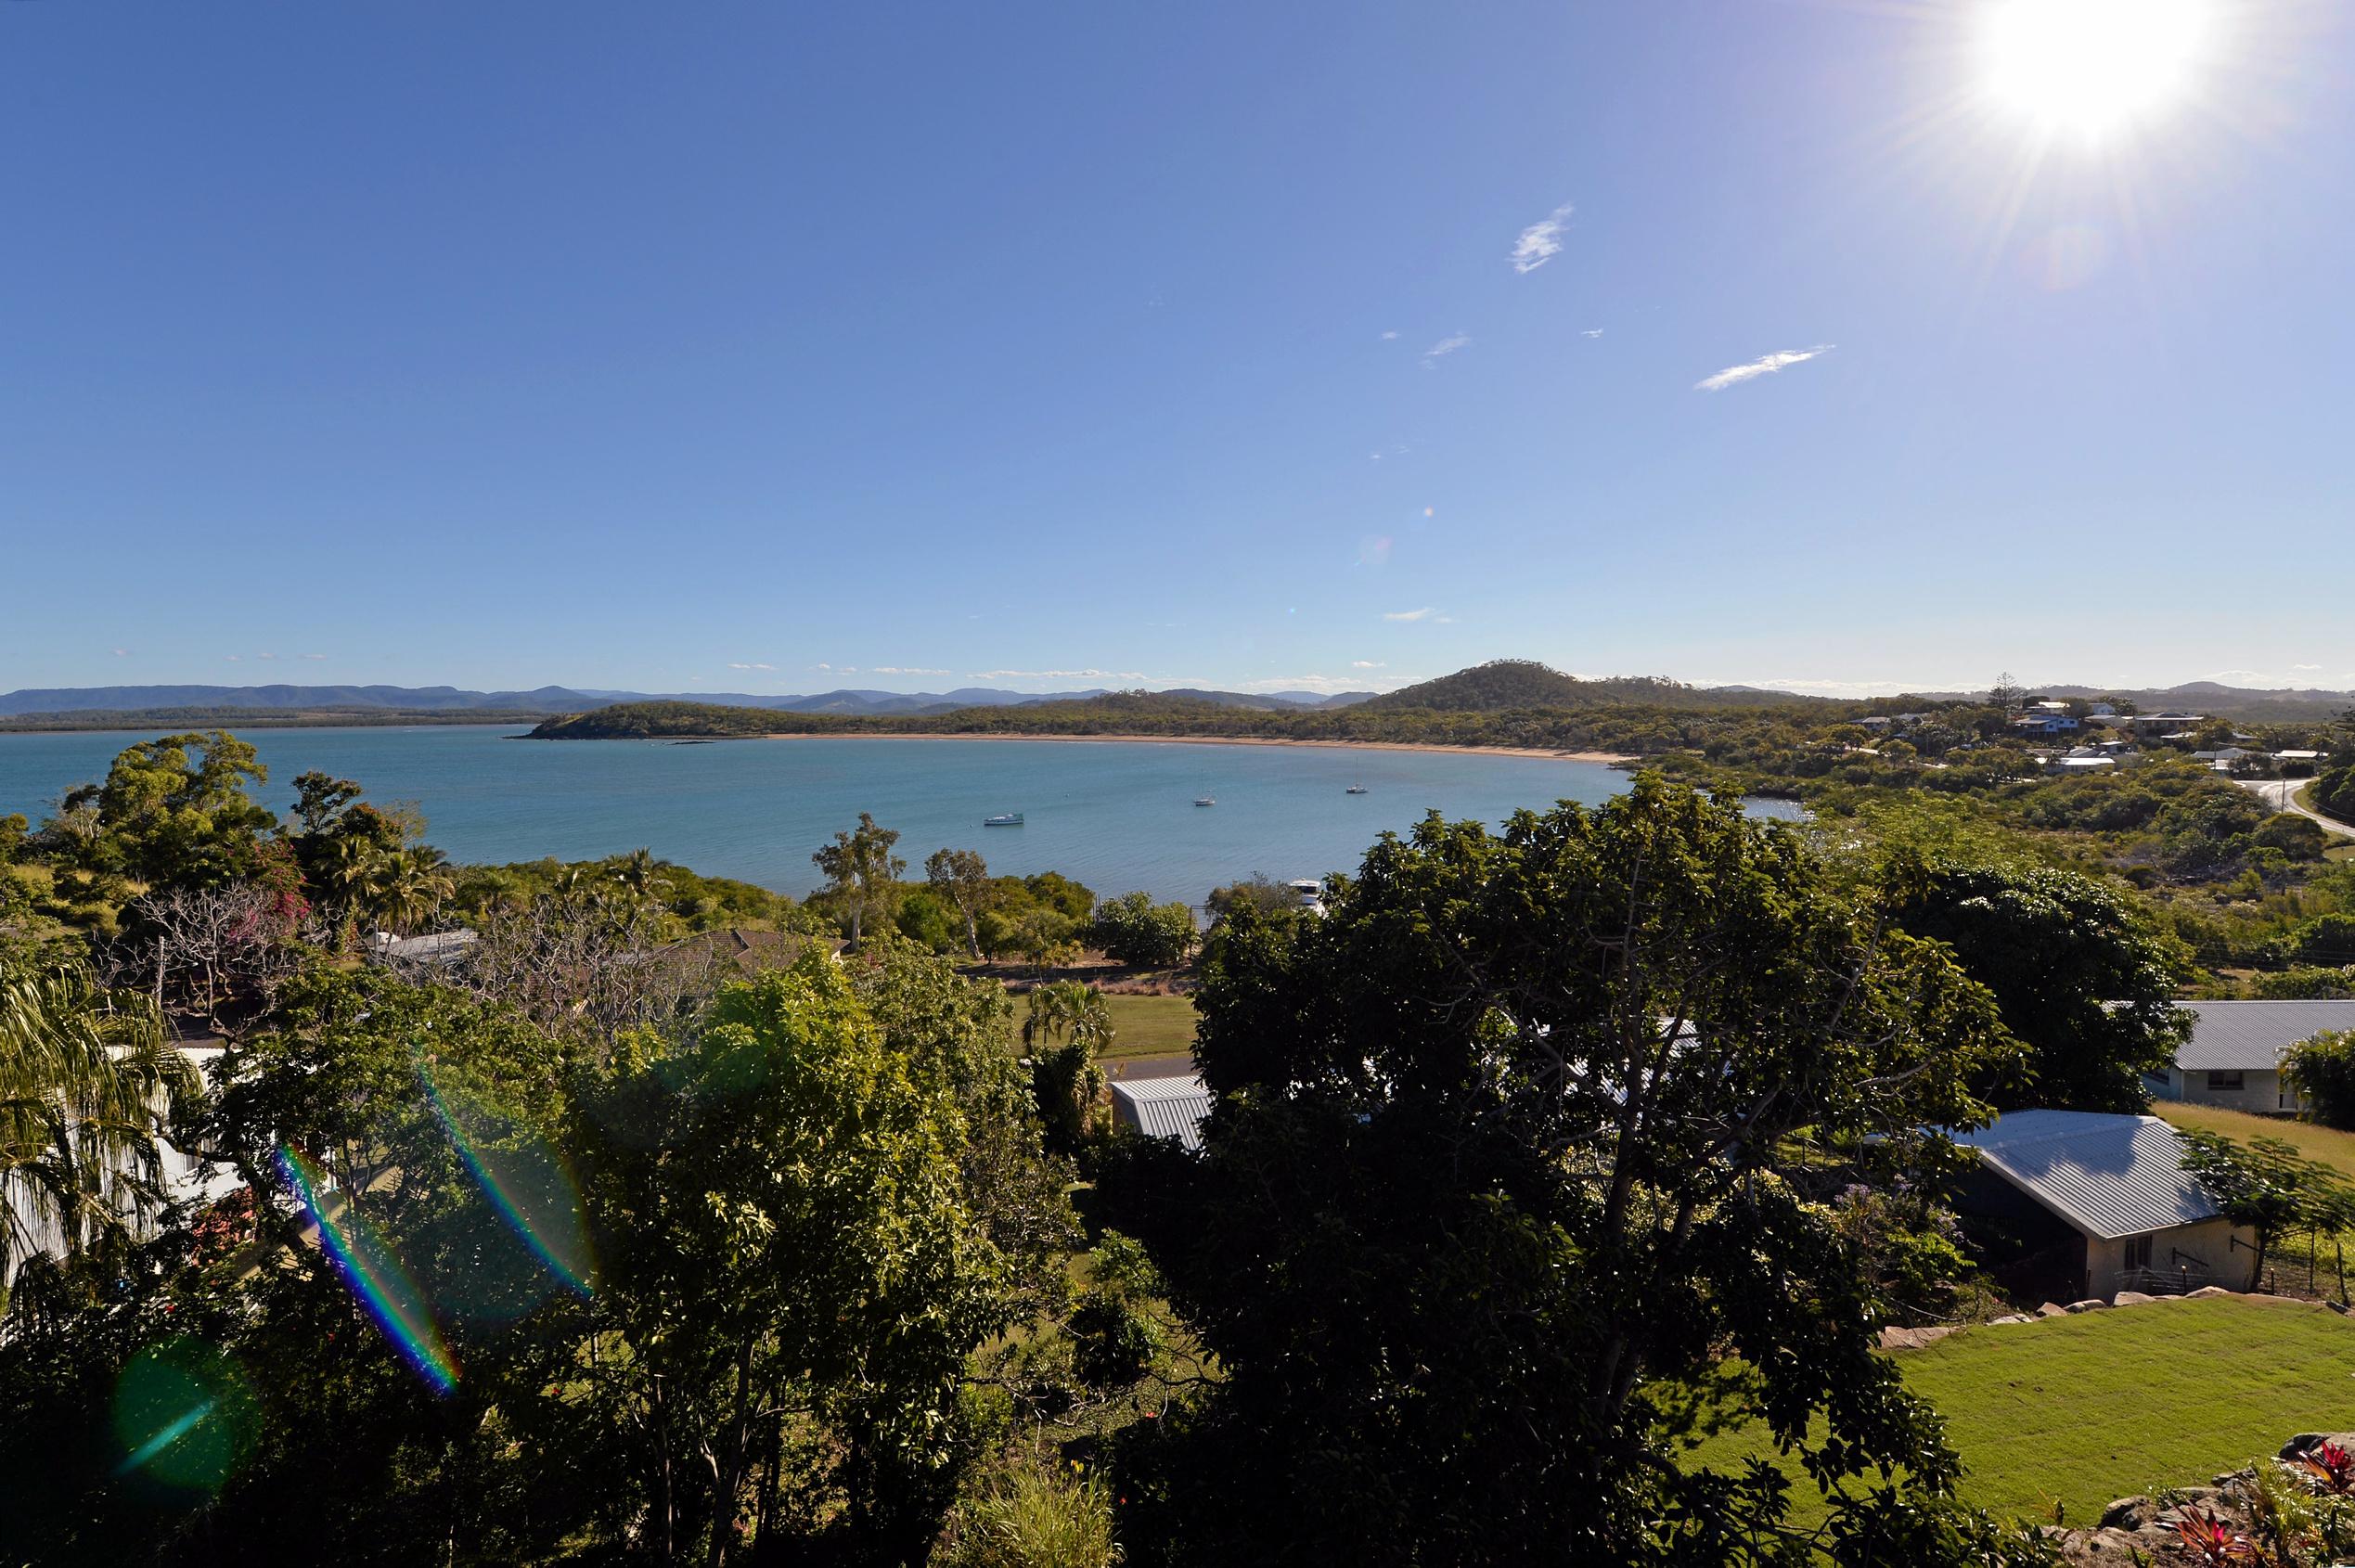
[(2327, 1144), (2079, 1410), (1150, 1025)]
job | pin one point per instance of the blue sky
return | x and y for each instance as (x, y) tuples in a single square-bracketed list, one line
[(762, 347)]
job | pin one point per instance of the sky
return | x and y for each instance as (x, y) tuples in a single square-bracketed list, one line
[(751, 347)]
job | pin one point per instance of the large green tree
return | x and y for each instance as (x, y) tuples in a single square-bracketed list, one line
[(1513, 1151), (862, 874), (2080, 976), (174, 812)]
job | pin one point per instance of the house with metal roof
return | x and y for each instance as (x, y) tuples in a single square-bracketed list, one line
[(2104, 1202), (1163, 1107), (2234, 1057)]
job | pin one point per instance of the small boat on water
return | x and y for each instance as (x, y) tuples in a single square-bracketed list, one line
[(1206, 800), (1011, 819), (1354, 789)]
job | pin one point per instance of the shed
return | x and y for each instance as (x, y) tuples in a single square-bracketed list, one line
[(2113, 1191), (1163, 1107), (2234, 1057)]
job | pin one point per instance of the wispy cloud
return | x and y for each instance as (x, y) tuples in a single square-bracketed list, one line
[(1765, 365), (234, 658), (266, 655), (733, 665), (1541, 242), (1368, 665), (1425, 614), (314, 656), (1443, 348), (904, 670), (1058, 674), (1591, 333), (1389, 337), (122, 653), (2305, 667)]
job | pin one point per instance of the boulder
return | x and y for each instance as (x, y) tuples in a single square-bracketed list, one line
[(2090, 1304), (2205, 1290), (2011, 1317), (2129, 1513), (2051, 1309), (2132, 1298), (2306, 1440)]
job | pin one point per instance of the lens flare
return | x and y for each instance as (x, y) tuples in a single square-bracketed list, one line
[(182, 1415), (371, 1272), (526, 1182)]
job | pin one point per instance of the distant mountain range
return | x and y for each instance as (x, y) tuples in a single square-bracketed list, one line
[(428, 700)]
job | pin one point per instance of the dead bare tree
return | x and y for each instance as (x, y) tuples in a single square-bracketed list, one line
[(585, 962), (211, 951)]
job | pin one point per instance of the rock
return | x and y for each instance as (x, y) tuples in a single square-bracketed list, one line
[(1914, 1339), (2090, 1304), (2132, 1298), (2011, 1317), (2051, 1309), (2205, 1290), (2128, 1513), (2309, 1440)]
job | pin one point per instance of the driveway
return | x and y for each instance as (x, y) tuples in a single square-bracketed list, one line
[(2282, 796)]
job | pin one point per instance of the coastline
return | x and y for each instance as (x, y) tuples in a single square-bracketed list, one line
[(1602, 757)]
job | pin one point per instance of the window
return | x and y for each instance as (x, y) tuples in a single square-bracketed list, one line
[(2138, 1252), (2225, 1083)]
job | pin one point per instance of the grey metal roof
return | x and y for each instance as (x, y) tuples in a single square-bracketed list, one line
[(1163, 1107), (2252, 1035), (2108, 1175)]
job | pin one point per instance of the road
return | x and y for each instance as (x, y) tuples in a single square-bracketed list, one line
[(2282, 796)]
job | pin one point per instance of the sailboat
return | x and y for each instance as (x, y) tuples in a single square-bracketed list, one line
[(1206, 800), (1354, 789)]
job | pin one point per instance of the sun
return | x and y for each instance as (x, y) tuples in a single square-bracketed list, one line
[(2093, 67)]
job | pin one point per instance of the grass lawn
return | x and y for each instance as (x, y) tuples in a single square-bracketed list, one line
[(1150, 1026), (2328, 1145), (2078, 1410)]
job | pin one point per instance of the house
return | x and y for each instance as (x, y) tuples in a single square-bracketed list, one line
[(2165, 723), (1163, 1107), (2234, 1055), (2045, 723), (2101, 1203)]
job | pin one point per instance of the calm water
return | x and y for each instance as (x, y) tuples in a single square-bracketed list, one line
[(1114, 816)]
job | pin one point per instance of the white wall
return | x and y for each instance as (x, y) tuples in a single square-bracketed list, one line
[(2206, 1246), (2262, 1091)]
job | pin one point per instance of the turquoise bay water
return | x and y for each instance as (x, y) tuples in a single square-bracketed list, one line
[(1115, 816)]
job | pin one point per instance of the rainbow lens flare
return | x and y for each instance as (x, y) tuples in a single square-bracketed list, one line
[(371, 1271), (526, 1182)]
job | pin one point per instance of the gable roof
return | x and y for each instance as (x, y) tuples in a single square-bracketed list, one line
[(2108, 1175), (2252, 1035), (1163, 1107)]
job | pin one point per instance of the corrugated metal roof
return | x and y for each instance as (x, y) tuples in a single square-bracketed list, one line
[(1163, 1107), (2252, 1035), (2108, 1175)]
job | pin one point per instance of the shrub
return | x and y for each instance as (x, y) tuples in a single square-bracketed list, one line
[(1135, 930), (2304, 984), (1037, 1516), (2322, 1069)]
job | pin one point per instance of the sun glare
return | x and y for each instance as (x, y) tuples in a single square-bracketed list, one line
[(2093, 67)]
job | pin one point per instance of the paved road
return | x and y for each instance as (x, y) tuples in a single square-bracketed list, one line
[(2282, 796)]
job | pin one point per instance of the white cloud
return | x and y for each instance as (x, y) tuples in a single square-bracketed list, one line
[(234, 658), (1425, 614), (1765, 365), (266, 655), (1591, 333), (1443, 348), (1541, 242), (1367, 664), (313, 656), (1389, 337), (1058, 674), (2305, 667), (735, 666), (122, 653), (904, 670), (821, 666)]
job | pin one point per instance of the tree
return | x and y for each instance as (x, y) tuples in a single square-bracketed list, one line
[(1262, 892), (961, 877), (2267, 1184), (88, 1087), (175, 810), (2079, 977), (1067, 1028), (2322, 1071), (862, 873), (2007, 693), (1135, 930), (1508, 1150)]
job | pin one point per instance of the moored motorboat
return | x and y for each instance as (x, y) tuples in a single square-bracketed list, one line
[(1354, 789), (1206, 800), (1010, 819)]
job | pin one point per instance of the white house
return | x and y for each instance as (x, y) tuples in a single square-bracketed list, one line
[(2234, 1057), (2107, 1198)]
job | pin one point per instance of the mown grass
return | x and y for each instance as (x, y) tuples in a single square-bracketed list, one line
[(1150, 1026), (2071, 1413), (2327, 1145)]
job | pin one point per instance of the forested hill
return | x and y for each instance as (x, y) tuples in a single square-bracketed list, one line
[(1503, 684), (1634, 727)]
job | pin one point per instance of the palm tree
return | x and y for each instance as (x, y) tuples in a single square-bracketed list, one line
[(1071, 1011), (88, 1084), (1064, 1078), (416, 883), (640, 872)]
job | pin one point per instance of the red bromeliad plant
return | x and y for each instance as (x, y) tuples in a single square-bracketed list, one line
[(2212, 1540), (2332, 1466)]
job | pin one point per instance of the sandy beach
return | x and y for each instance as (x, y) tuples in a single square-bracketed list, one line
[(1196, 740)]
